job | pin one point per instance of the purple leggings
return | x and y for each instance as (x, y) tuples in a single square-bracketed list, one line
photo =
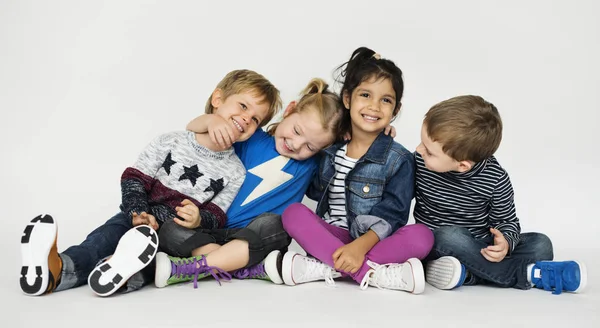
[(321, 240)]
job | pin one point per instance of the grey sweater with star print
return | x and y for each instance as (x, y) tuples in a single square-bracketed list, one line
[(174, 167)]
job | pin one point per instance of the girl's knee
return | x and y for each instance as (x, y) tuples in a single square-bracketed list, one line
[(425, 234), (293, 214), (422, 239)]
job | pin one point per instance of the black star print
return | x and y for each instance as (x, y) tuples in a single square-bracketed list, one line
[(191, 173), (215, 186), (168, 163)]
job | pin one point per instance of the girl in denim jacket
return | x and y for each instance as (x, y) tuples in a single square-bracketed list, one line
[(364, 189)]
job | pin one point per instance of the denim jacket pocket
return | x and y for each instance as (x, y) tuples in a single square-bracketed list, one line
[(364, 195)]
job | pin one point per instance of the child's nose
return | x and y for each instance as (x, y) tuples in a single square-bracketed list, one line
[(420, 149), (374, 105)]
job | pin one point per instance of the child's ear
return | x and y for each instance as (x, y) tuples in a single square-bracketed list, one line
[(289, 109), (346, 99), (464, 166), (217, 98)]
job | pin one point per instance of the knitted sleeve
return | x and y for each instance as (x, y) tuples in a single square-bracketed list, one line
[(136, 181)]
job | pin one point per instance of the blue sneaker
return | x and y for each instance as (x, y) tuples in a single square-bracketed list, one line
[(445, 273), (570, 276)]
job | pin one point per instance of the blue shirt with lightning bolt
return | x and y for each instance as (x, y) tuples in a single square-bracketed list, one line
[(272, 183)]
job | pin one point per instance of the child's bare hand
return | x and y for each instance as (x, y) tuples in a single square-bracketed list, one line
[(390, 130), (498, 251), (190, 214), (144, 218), (348, 258), (221, 132)]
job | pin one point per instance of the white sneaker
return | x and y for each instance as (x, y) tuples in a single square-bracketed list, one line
[(297, 269), (445, 273), (408, 276), (136, 249)]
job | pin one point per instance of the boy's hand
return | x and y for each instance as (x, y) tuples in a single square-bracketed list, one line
[(498, 251), (190, 214), (144, 218), (221, 132), (348, 258), (390, 130)]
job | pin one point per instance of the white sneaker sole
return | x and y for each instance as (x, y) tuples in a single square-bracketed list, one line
[(444, 273), (418, 275), (271, 267), (286, 268), (134, 252), (37, 240), (582, 276), (163, 270)]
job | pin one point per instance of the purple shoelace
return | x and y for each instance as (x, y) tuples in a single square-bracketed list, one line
[(196, 267), (251, 272)]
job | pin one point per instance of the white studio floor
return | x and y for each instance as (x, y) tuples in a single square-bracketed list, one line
[(262, 304)]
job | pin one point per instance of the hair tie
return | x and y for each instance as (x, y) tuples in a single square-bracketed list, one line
[(377, 56)]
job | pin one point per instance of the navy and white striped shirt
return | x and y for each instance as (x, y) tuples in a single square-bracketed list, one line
[(337, 192), (477, 200)]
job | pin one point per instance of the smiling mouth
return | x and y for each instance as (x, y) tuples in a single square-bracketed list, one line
[(238, 126), (287, 146), (370, 118)]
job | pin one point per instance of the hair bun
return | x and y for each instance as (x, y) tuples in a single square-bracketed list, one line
[(315, 85)]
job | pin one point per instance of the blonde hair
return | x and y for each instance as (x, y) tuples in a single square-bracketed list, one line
[(243, 80), (468, 127), (317, 96)]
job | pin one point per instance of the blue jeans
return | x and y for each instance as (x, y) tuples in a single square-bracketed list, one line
[(80, 260), (510, 272)]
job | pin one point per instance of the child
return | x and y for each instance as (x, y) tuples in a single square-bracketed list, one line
[(279, 168), (180, 168), (466, 198), (364, 188)]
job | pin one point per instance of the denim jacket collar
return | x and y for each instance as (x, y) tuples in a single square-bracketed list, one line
[(377, 153)]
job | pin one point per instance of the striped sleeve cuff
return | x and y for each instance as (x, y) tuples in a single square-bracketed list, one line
[(512, 239)]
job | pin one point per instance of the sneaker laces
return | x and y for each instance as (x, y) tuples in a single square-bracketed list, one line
[(194, 267), (552, 274), (384, 276), (318, 269), (255, 271)]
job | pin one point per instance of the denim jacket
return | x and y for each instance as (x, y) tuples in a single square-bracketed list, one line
[(379, 189)]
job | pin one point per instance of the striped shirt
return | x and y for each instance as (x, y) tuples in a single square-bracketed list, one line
[(477, 200), (337, 192)]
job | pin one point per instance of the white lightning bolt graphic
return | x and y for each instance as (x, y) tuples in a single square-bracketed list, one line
[(272, 175)]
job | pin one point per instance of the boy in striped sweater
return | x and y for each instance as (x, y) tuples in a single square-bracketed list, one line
[(465, 196)]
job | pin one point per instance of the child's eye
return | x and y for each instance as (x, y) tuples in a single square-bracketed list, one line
[(311, 149), (387, 100), (296, 131), (364, 94), (244, 107), (255, 120)]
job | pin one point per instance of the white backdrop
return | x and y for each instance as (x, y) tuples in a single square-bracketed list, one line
[(85, 85)]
